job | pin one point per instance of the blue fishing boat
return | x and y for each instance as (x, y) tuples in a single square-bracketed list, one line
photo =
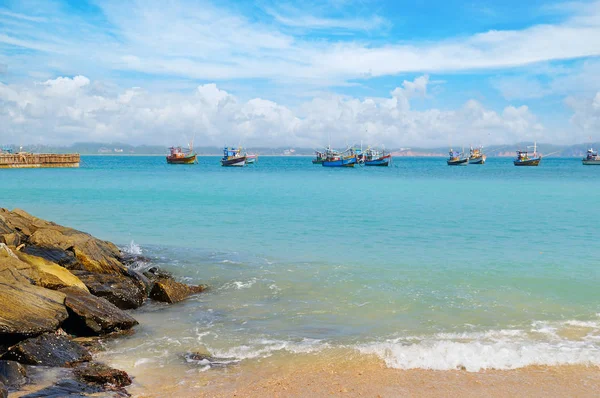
[(233, 157), (457, 159), (336, 159), (374, 157)]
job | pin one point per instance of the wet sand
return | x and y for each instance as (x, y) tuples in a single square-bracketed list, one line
[(309, 375)]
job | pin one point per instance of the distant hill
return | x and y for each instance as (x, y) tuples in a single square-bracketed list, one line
[(116, 148)]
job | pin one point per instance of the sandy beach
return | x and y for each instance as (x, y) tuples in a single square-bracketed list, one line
[(318, 375)]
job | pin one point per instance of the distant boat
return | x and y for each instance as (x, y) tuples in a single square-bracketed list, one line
[(476, 156), (373, 157), (457, 159), (251, 158), (337, 159), (181, 156), (233, 157), (591, 158), (524, 159), (320, 157)]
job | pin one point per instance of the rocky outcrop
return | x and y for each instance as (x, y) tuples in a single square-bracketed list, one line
[(168, 290), (125, 293), (48, 274), (90, 315), (27, 310), (49, 349), (102, 375), (66, 388), (3, 391), (65, 246), (12, 374)]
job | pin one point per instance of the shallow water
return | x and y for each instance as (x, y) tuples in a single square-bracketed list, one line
[(424, 265)]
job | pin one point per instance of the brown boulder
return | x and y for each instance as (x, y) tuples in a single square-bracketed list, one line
[(168, 290), (48, 274), (100, 374), (92, 254), (126, 293), (27, 310), (48, 349), (90, 315)]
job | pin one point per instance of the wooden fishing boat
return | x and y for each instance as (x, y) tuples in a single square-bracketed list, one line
[(181, 156), (457, 159), (591, 158), (374, 157), (233, 157), (476, 156), (340, 161), (525, 159)]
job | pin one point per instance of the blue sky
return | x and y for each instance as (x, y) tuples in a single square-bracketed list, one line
[(410, 72)]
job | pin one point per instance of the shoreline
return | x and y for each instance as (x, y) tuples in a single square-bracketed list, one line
[(323, 374)]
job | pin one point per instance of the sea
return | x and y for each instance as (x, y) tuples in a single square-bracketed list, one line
[(420, 264)]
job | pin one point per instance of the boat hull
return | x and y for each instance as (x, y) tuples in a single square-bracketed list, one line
[(529, 162), (250, 160), (383, 161), (339, 163), (480, 160), (591, 162), (184, 160), (318, 161), (459, 162), (237, 162)]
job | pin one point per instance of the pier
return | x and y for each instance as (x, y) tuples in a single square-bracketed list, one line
[(38, 160)]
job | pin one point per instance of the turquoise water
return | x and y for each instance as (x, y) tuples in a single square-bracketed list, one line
[(423, 264)]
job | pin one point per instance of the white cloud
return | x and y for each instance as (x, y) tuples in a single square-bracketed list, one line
[(586, 114), (200, 41), (79, 110)]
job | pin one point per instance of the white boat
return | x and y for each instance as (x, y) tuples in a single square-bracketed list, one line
[(591, 158)]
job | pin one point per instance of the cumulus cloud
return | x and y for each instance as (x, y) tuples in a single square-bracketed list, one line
[(65, 109), (586, 114)]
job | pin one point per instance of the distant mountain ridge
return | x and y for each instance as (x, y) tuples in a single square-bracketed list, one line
[(115, 148)]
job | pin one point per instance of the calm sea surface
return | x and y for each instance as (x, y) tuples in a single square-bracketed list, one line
[(423, 264)]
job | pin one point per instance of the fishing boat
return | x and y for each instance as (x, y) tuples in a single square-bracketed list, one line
[(178, 155), (476, 156), (233, 157), (320, 157), (525, 159), (374, 157), (591, 158), (251, 158), (337, 159), (457, 158)]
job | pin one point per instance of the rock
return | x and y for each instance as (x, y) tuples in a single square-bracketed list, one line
[(61, 257), (100, 374), (12, 374), (169, 291), (92, 254), (48, 349), (27, 310), (50, 275), (11, 239), (54, 242), (65, 388), (90, 315), (3, 391), (141, 279), (208, 360), (125, 293)]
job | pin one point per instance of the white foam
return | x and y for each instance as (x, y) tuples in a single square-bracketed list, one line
[(133, 248), (494, 349)]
